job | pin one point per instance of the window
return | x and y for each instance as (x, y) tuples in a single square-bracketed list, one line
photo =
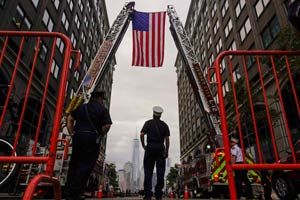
[(214, 10), (216, 27), (211, 61), (60, 45), (35, 3), (70, 3), (73, 40), (71, 63), (72, 93), (219, 45), (65, 21), (83, 38), (236, 74), (225, 87), (260, 6), (20, 20), (77, 21), (270, 32), (55, 69), (48, 21), (86, 21), (43, 52), (225, 8), (2, 3), (223, 66), (246, 28), (232, 46), (228, 28), (239, 7), (209, 42), (88, 7), (206, 27), (56, 3), (76, 76), (80, 5), (88, 51), (250, 60)]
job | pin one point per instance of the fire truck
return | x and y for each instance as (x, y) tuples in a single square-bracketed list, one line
[(206, 176)]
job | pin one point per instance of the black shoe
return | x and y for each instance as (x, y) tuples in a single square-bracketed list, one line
[(147, 198)]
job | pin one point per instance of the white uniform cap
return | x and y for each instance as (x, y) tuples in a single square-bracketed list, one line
[(157, 110), (235, 140)]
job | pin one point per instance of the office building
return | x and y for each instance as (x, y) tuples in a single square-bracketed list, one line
[(86, 24), (215, 26)]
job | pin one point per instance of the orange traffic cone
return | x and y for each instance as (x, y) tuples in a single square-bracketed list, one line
[(171, 195), (100, 194), (186, 193)]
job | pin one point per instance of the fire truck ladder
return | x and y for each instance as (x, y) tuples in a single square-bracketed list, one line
[(195, 74), (106, 51)]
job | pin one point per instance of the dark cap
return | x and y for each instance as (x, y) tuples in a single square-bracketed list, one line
[(98, 94)]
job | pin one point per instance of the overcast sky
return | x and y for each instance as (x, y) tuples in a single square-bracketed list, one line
[(136, 90)]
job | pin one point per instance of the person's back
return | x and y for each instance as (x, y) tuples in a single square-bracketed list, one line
[(92, 123), (156, 152)]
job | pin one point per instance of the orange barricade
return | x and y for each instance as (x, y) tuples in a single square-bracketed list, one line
[(27, 81), (258, 94)]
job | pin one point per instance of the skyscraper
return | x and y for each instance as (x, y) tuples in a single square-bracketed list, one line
[(136, 163)]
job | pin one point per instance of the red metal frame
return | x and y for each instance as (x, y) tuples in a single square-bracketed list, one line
[(264, 79), (49, 159)]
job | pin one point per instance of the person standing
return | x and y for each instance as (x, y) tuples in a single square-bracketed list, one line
[(240, 176), (92, 123), (156, 152)]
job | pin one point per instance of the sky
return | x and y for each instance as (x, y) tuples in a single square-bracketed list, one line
[(136, 90)]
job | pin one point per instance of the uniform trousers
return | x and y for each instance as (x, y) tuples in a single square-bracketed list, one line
[(152, 157), (240, 177), (85, 153)]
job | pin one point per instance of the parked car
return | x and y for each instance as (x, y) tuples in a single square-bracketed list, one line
[(286, 183)]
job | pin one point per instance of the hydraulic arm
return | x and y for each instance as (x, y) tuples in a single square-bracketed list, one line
[(107, 50), (195, 74)]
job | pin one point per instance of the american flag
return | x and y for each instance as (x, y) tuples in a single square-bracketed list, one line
[(148, 33)]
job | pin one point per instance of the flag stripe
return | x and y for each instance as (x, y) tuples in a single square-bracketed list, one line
[(148, 39), (152, 29)]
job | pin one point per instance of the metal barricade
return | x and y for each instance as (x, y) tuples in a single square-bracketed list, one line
[(259, 104), (29, 77)]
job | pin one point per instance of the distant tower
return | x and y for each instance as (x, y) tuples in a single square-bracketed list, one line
[(136, 163)]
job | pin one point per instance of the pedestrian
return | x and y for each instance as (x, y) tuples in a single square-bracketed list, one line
[(157, 132), (240, 176), (92, 123)]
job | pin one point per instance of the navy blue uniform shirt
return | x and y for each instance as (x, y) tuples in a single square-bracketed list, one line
[(99, 115)]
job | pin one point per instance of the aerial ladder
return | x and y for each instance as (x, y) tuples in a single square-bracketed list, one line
[(196, 77), (100, 63), (195, 74)]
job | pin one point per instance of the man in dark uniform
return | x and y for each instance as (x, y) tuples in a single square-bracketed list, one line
[(92, 123), (158, 133)]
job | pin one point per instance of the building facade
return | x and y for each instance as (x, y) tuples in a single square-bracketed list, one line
[(86, 24), (215, 26)]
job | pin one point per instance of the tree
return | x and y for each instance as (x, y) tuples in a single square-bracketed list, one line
[(112, 175), (172, 176)]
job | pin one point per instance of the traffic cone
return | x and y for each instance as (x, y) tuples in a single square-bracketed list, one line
[(186, 193), (171, 195), (100, 194)]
